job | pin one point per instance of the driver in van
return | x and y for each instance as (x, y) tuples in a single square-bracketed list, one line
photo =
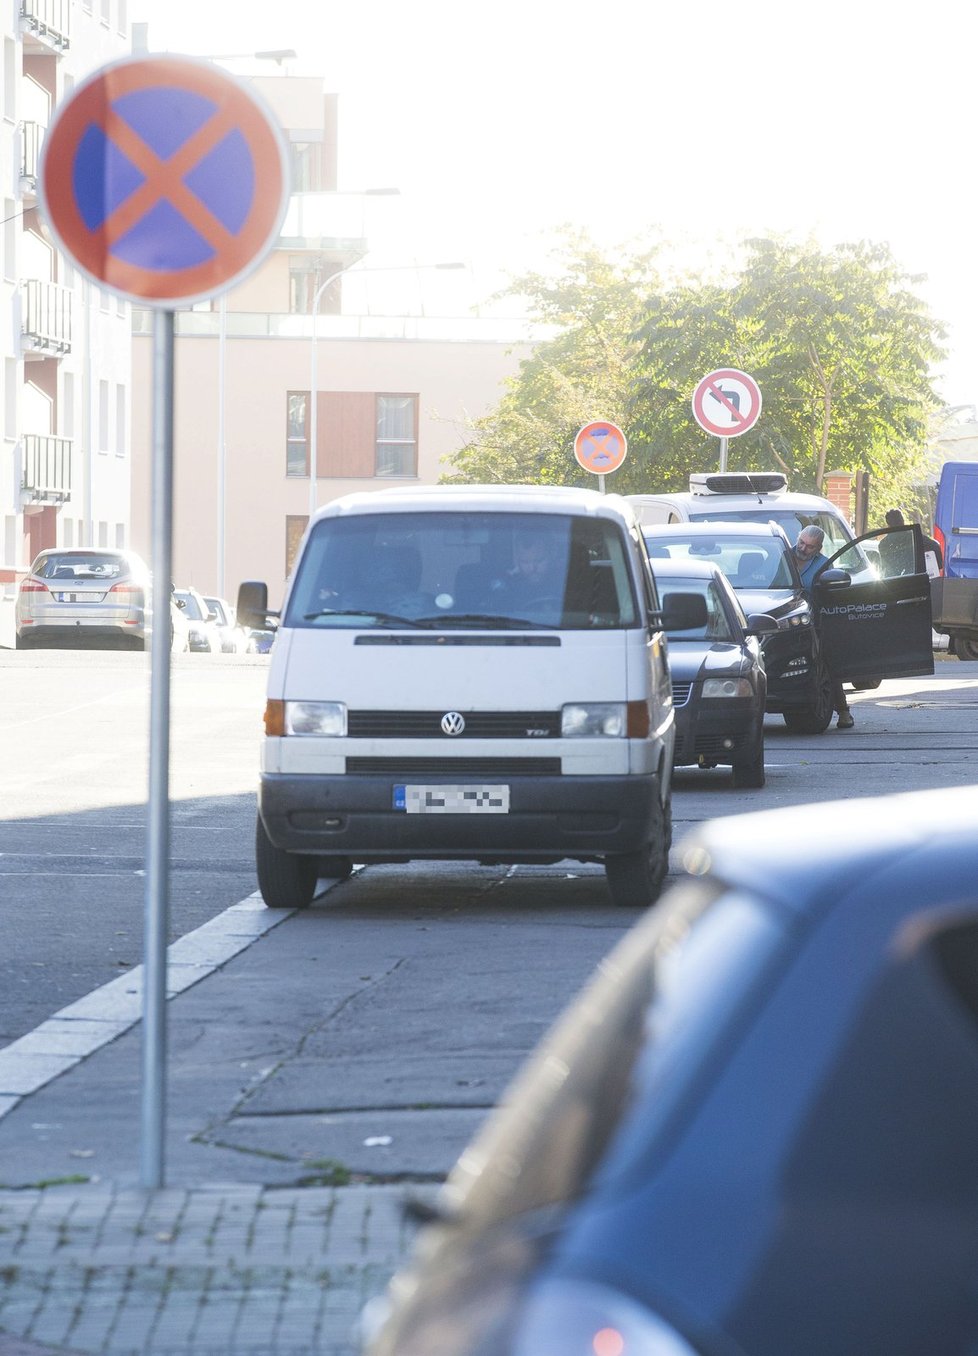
[(811, 562), (536, 573)]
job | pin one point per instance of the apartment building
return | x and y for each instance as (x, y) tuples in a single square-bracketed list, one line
[(65, 350), (394, 393)]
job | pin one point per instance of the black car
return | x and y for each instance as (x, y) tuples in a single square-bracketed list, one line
[(753, 1133), (855, 626), (719, 686)]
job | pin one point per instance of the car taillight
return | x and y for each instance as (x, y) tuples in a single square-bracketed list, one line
[(32, 586), (133, 590), (941, 541)]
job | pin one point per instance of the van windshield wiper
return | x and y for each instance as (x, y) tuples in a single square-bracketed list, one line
[(384, 618), (487, 621)]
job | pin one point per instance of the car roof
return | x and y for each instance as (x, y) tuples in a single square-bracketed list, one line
[(713, 529), (556, 499)]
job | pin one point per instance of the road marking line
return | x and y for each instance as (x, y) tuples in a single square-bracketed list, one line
[(81, 1028)]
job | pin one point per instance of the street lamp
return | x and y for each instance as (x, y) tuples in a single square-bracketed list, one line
[(313, 375)]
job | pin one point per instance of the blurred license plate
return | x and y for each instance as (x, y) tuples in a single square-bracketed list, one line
[(78, 597), (452, 800)]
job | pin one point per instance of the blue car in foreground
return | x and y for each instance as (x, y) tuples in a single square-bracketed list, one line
[(754, 1133)]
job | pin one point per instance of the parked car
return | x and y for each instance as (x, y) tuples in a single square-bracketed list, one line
[(204, 635), (719, 685), (955, 594), (754, 1130), (179, 628), (868, 628), (234, 638), (466, 673), (746, 497), (84, 596)]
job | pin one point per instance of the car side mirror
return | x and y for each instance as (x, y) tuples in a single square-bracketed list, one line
[(683, 611), (761, 624), (834, 579)]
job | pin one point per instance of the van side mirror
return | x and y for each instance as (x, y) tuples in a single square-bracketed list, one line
[(253, 605)]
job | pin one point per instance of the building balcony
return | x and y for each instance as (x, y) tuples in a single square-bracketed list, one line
[(46, 25), (47, 314), (47, 469), (329, 223), (31, 136)]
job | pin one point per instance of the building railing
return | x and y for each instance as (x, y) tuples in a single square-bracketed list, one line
[(47, 317), (32, 134), (48, 20), (47, 468)]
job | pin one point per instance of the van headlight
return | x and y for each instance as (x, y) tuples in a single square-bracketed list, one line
[(315, 718), (606, 719), (727, 687)]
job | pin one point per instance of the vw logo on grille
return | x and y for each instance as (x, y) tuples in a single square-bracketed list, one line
[(453, 723)]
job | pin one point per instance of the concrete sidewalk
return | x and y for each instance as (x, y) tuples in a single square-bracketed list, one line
[(240, 1257)]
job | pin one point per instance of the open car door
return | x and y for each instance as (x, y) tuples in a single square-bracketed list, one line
[(876, 622)]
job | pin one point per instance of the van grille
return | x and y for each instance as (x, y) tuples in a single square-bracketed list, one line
[(478, 725), (455, 768)]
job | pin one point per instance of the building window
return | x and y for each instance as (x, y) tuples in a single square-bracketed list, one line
[(306, 275), (297, 434), (307, 166), (68, 526), (120, 536), (396, 451), (120, 420), (295, 525), (103, 534), (103, 420)]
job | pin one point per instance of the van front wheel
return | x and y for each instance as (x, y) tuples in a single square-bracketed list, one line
[(285, 879), (635, 879)]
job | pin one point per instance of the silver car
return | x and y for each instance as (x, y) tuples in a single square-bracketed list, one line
[(84, 596)]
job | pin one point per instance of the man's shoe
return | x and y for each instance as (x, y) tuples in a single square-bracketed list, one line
[(845, 721)]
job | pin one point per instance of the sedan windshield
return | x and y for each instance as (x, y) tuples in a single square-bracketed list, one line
[(748, 562), (441, 570)]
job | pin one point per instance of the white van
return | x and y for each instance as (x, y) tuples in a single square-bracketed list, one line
[(474, 673)]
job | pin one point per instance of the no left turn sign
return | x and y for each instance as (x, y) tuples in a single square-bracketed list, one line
[(727, 402)]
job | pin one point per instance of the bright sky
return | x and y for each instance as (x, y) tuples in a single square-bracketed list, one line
[(849, 119)]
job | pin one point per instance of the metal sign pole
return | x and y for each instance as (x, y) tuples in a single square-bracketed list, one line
[(723, 453), (601, 484), (158, 845)]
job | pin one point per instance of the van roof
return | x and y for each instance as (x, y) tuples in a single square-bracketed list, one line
[(482, 499)]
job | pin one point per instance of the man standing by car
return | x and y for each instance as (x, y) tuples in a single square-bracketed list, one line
[(810, 562)]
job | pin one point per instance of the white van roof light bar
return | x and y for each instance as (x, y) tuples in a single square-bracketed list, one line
[(740, 482)]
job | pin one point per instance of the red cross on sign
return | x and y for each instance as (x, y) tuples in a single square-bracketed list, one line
[(600, 447), (164, 179)]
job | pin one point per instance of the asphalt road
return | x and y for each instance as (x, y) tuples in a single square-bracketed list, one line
[(73, 779)]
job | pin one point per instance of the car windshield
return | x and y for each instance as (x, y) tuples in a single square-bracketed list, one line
[(790, 520), (716, 627), (82, 565), (192, 606), (749, 562), (439, 570)]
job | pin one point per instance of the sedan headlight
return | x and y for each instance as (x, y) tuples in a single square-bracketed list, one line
[(580, 1318), (727, 687), (594, 718), (796, 619), (315, 718)]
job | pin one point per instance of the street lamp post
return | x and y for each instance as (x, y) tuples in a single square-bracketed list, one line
[(313, 374)]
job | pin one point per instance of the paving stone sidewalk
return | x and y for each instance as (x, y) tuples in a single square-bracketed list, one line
[(223, 1270)]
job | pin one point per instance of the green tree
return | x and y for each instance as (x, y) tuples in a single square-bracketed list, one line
[(592, 308)]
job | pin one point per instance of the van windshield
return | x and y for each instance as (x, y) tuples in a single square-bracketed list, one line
[(444, 570)]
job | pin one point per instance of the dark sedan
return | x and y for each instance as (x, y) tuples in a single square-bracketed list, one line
[(758, 561), (753, 1134), (719, 686)]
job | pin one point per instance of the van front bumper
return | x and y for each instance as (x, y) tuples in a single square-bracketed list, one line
[(549, 818)]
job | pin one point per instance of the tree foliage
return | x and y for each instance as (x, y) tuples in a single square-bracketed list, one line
[(839, 343)]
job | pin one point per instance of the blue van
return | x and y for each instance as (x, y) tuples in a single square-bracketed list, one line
[(955, 596)]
